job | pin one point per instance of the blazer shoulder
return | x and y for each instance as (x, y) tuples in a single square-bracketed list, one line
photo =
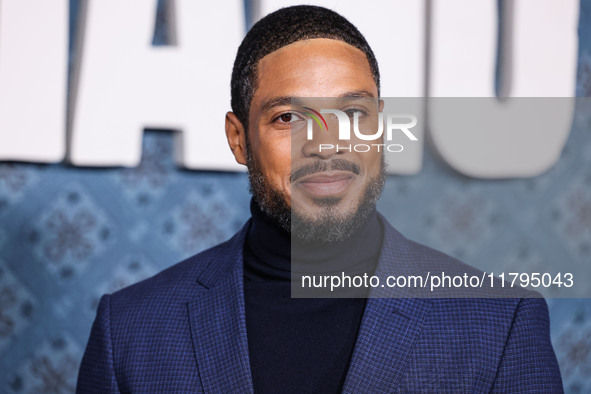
[(202, 269), (412, 258)]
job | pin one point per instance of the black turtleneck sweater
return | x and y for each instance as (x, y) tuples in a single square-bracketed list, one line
[(301, 345)]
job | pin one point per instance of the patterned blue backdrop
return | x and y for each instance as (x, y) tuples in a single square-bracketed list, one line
[(68, 235)]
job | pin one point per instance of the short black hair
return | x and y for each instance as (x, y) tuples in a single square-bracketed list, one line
[(283, 27)]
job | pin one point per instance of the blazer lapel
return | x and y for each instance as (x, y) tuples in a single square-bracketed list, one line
[(218, 325), (390, 325), (389, 329)]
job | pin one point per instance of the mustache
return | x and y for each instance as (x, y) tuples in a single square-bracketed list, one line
[(322, 166)]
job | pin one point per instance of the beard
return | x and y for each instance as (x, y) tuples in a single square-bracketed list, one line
[(333, 225)]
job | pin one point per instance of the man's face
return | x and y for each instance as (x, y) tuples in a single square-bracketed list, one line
[(288, 171)]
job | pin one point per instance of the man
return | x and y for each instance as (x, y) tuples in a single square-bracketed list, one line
[(224, 321)]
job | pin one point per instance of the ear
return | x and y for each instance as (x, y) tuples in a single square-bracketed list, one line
[(236, 137), (381, 105)]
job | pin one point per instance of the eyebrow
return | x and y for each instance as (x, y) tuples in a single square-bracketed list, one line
[(288, 100), (358, 93), (278, 102)]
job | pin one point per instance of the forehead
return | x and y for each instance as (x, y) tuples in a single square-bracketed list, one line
[(314, 68)]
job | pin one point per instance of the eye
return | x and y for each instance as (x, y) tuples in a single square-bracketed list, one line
[(288, 117), (352, 111)]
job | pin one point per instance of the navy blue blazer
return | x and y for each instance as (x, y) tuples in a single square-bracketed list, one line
[(184, 330)]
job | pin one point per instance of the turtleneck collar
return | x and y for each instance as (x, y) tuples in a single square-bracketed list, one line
[(274, 250)]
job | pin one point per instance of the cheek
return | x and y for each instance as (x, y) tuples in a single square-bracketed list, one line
[(276, 158), (373, 162), (282, 156)]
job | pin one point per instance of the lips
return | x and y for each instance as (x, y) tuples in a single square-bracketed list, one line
[(325, 184)]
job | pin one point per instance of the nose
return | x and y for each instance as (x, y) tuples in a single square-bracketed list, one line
[(324, 143)]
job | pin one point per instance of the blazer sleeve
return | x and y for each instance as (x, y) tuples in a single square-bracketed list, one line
[(97, 372), (528, 363)]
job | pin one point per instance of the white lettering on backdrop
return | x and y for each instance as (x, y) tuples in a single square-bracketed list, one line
[(122, 84)]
